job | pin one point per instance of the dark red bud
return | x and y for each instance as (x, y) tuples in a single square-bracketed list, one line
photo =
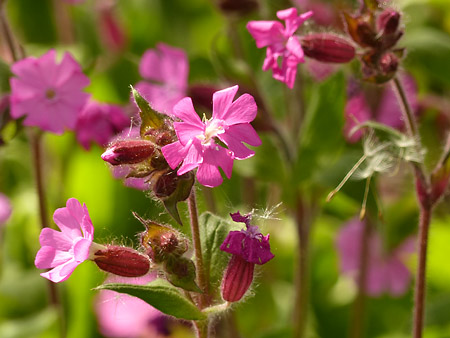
[(169, 242), (128, 152), (238, 278), (326, 47), (388, 21), (122, 261), (164, 184)]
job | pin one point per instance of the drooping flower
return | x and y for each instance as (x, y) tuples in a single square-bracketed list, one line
[(385, 110), (48, 93), (121, 315), (99, 122), (5, 209), (281, 43), (63, 251), (248, 247), (386, 272), (197, 146), (165, 72)]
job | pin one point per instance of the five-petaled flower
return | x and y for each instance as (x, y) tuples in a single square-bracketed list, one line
[(64, 251), (248, 247), (49, 94), (197, 144), (281, 43)]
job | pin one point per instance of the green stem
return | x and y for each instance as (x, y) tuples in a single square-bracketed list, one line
[(35, 140), (357, 323), (303, 219), (195, 230)]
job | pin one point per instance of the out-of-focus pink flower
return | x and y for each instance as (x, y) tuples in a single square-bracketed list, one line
[(386, 272), (64, 250), (320, 70), (388, 111), (281, 43), (121, 315), (99, 122), (165, 72), (196, 145), (113, 35), (324, 13), (49, 94), (5, 209)]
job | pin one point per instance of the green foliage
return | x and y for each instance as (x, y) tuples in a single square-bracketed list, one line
[(162, 296)]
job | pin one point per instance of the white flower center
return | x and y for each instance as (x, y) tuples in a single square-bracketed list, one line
[(213, 128)]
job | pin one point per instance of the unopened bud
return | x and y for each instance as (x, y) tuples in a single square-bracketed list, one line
[(238, 278), (388, 21), (128, 152), (122, 261), (327, 47)]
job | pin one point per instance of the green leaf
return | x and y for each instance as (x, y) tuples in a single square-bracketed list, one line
[(150, 118), (161, 295), (213, 231)]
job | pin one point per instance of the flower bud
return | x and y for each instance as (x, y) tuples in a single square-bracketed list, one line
[(128, 152), (122, 261), (388, 64), (238, 278), (388, 21), (327, 47)]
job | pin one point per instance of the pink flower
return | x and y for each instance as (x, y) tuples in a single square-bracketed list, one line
[(49, 94), (386, 271), (64, 251), (197, 146), (99, 122), (248, 247), (120, 315), (165, 70), (281, 43), (5, 209), (387, 110)]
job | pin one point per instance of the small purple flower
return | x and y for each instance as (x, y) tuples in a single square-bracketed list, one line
[(165, 72), (63, 251), (197, 146), (121, 315), (248, 247), (49, 94), (99, 122), (5, 209), (281, 43), (386, 271), (387, 111)]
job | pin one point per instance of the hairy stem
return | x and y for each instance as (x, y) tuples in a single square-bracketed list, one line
[(357, 323), (419, 290), (201, 278), (406, 108)]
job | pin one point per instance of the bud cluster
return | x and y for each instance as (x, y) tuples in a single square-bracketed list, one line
[(377, 32), (144, 159), (166, 246)]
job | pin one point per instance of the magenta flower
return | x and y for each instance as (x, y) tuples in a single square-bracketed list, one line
[(281, 43), (5, 209), (165, 72), (120, 315), (386, 271), (99, 122), (387, 110), (63, 251), (197, 146), (248, 247), (49, 94)]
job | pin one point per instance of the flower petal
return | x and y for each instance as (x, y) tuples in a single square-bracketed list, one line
[(266, 33), (193, 158), (243, 110), (186, 131), (61, 272), (55, 239), (49, 257), (209, 175), (174, 153), (222, 100), (185, 111)]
